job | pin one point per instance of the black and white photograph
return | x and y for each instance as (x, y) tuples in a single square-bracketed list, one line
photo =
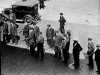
[(50, 37)]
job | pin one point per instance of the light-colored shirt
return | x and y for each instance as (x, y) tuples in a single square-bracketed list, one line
[(40, 39), (91, 46)]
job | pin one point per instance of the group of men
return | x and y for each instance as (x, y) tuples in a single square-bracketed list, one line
[(62, 22), (59, 40), (8, 28), (91, 51), (34, 39)]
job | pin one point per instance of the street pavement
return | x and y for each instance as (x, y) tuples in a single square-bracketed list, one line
[(17, 61)]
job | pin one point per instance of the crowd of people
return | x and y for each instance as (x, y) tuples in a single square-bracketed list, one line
[(59, 40)]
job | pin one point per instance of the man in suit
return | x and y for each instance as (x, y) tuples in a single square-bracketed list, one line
[(90, 51), (76, 52), (32, 42), (59, 38), (66, 50), (50, 35), (62, 22), (5, 31), (1, 25), (36, 30), (40, 46), (26, 30), (97, 58)]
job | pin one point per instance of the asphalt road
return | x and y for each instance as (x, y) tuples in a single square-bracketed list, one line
[(17, 61)]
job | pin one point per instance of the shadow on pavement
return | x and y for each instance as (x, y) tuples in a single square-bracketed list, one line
[(17, 61)]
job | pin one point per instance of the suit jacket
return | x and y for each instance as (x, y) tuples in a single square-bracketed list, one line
[(40, 39), (13, 29), (58, 40), (49, 33), (97, 55), (26, 28), (91, 46), (36, 31), (67, 46), (5, 28), (62, 21), (1, 23), (32, 38), (76, 48)]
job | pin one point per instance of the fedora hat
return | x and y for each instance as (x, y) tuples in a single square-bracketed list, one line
[(61, 13)]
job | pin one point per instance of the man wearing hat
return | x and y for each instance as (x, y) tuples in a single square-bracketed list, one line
[(26, 32), (97, 58), (76, 52), (40, 46), (62, 22), (1, 25), (50, 35), (12, 16), (5, 31), (59, 38), (90, 51), (32, 41), (41, 4), (66, 48)]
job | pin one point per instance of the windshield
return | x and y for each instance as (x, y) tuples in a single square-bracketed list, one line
[(22, 9)]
